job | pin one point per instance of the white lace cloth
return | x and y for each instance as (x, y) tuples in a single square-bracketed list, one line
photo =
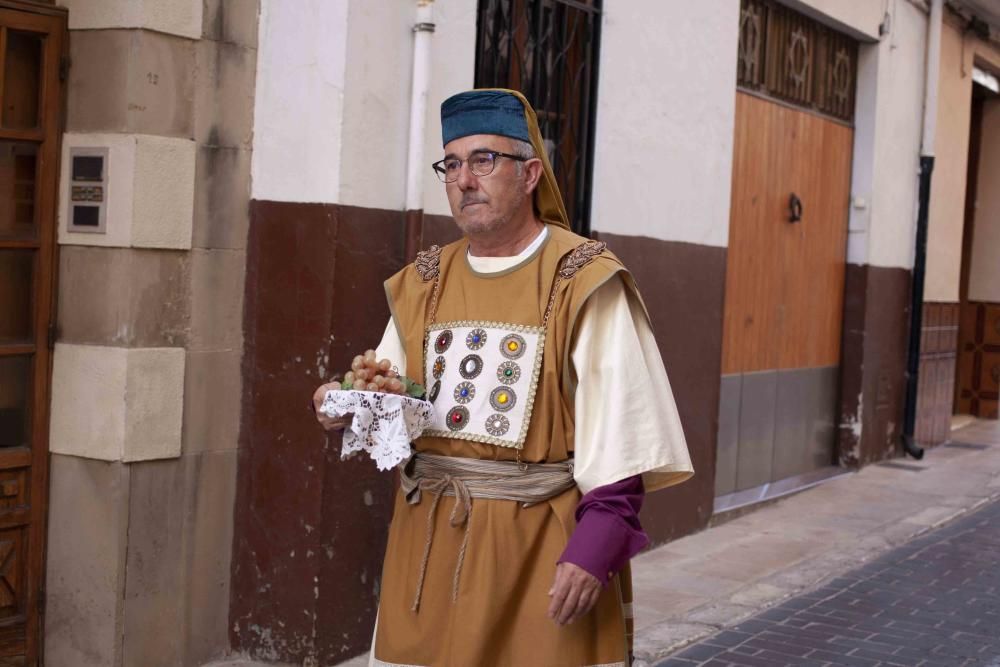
[(383, 424)]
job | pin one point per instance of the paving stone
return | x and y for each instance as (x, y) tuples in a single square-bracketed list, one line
[(933, 602)]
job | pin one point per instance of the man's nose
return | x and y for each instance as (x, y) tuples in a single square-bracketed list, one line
[(466, 179)]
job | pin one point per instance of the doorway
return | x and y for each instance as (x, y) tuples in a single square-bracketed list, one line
[(977, 381), (31, 51), (786, 257)]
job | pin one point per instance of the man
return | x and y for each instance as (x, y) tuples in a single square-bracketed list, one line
[(553, 416)]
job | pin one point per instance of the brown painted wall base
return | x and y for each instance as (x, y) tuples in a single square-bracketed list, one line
[(683, 285), (873, 363), (309, 529), (936, 385)]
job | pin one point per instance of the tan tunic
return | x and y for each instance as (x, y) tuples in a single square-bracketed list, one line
[(499, 617)]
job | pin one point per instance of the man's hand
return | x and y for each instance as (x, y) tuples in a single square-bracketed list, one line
[(329, 423), (574, 593)]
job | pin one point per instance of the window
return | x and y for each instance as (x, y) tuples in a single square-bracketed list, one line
[(791, 57), (547, 49)]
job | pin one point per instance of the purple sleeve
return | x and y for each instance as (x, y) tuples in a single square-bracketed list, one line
[(607, 532)]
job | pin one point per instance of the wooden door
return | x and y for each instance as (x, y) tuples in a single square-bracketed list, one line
[(785, 280), (31, 50), (785, 285)]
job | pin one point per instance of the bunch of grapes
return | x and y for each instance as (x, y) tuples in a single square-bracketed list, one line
[(369, 374)]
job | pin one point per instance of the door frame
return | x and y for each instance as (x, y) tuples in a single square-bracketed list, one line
[(53, 21)]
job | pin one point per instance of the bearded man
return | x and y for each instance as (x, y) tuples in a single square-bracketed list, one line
[(553, 416)]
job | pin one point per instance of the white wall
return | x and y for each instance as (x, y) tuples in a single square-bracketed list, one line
[(888, 123), (299, 103), (665, 116), (331, 117)]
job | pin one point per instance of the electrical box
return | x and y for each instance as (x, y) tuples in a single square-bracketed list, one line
[(88, 190)]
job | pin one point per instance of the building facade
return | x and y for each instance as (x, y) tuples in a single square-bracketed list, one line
[(204, 197)]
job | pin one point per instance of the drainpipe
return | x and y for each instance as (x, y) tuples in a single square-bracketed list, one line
[(920, 255), (420, 82)]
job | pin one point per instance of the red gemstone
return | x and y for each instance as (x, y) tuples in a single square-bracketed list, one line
[(457, 417)]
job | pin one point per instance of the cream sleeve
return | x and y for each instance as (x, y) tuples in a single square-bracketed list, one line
[(626, 418), (391, 348)]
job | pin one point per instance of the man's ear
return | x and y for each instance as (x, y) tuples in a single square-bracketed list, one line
[(532, 174)]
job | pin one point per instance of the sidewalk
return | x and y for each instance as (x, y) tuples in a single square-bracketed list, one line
[(697, 585)]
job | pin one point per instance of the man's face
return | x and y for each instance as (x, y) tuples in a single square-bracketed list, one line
[(484, 203)]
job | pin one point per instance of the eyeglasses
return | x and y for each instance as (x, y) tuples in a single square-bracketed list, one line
[(481, 163)]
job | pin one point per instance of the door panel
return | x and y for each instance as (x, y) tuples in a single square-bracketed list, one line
[(785, 281), (31, 46), (784, 288)]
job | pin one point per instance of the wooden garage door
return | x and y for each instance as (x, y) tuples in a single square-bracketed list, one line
[(785, 271)]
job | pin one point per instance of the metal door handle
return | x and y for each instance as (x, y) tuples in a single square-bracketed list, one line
[(794, 208)]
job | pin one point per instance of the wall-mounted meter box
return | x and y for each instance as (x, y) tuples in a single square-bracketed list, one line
[(88, 189)]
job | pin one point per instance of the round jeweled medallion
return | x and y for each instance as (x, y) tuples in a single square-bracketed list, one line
[(438, 369), (476, 339), (512, 346), (443, 341), (458, 418), (497, 425), (471, 366), (435, 390), (508, 372), (503, 399), (465, 392)]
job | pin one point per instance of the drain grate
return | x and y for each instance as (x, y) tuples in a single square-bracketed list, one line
[(902, 466), (966, 445)]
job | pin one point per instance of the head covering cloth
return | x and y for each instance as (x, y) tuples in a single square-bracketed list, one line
[(497, 111)]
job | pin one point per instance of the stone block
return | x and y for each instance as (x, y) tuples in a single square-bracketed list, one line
[(224, 97), (85, 561), (116, 404), (131, 81), (217, 278), (123, 297), (175, 17), (212, 401), (176, 600), (232, 21), (222, 198)]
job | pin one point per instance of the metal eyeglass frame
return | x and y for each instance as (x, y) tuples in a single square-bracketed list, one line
[(442, 176)]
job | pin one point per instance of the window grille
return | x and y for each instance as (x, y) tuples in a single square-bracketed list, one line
[(794, 58), (547, 49)]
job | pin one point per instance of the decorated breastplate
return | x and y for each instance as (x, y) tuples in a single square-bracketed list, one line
[(482, 376)]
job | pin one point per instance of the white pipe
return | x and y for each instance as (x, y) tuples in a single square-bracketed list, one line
[(933, 76), (420, 81)]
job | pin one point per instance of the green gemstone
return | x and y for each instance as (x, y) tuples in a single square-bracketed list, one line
[(508, 372)]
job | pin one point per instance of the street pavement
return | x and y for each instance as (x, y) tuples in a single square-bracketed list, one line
[(934, 602), (718, 579)]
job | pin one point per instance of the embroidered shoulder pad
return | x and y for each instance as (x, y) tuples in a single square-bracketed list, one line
[(580, 257), (427, 263)]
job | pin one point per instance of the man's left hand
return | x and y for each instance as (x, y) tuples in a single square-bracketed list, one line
[(574, 593)]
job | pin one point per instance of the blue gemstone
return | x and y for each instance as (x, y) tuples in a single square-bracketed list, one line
[(475, 339), (465, 392)]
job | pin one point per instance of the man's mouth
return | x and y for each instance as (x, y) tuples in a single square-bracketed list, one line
[(471, 203)]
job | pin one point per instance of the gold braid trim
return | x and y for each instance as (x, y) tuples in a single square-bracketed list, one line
[(580, 257), (576, 259), (427, 263)]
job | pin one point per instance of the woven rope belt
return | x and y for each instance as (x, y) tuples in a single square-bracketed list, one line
[(465, 479)]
